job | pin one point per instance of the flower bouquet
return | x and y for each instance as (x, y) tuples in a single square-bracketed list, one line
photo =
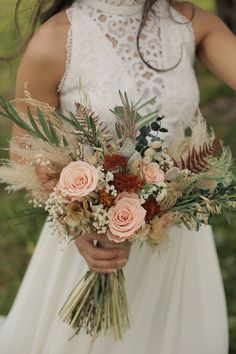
[(128, 188)]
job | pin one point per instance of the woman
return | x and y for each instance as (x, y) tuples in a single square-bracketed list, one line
[(176, 299)]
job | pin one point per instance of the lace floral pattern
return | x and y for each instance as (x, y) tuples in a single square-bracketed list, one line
[(123, 2), (103, 55)]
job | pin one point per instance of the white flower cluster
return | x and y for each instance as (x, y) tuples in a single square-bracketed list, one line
[(111, 189), (54, 205), (40, 161), (102, 173), (100, 220), (163, 159), (186, 173), (159, 190), (37, 202), (105, 178)]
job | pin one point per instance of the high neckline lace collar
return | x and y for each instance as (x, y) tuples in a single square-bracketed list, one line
[(123, 3), (123, 7), (116, 7)]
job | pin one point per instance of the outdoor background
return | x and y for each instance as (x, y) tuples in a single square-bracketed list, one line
[(17, 240)]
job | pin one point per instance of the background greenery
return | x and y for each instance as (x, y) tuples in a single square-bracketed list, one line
[(17, 239)]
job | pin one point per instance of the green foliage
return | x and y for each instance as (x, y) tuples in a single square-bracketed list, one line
[(40, 129), (128, 118)]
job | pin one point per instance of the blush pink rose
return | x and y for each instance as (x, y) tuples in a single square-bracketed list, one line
[(152, 172), (78, 179), (125, 217)]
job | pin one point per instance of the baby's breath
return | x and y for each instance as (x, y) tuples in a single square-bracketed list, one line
[(100, 219)]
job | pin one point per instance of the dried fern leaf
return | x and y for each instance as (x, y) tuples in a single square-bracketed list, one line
[(197, 160)]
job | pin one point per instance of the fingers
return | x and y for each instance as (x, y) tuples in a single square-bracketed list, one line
[(100, 266), (99, 253), (102, 260), (103, 271)]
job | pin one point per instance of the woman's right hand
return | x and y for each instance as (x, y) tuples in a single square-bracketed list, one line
[(102, 260)]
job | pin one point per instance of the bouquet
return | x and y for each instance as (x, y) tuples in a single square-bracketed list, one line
[(128, 188)]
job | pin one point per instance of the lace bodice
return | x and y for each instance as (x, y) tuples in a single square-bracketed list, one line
[(102, 58)]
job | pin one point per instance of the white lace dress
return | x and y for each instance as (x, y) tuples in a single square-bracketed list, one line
[(176, 299)]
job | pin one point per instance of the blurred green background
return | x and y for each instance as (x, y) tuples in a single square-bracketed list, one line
[(17, 239)]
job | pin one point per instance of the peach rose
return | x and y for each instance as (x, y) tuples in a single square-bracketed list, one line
[(125, 217), (78, 179), (152, 172)]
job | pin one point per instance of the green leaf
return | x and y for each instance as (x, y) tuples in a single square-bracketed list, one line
[(151, 101), (65, 142), (35, 127), (55, 138), (149, 118), (118, 131), (44, 124)]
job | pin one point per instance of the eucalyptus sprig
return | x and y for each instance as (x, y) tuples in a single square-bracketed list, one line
[(39, 128)]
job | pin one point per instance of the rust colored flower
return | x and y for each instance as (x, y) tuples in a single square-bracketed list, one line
[(128, 183), (152, 208), (114, 162), (106, 199)]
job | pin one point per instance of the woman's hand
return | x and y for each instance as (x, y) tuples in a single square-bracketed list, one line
[(102, 260)]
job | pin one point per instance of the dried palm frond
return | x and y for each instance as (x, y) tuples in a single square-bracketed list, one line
[(129, 120), (197, 158), (193, 149), (218, 171), (87, 127), (126, 122)]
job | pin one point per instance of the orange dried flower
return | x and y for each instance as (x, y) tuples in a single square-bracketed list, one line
[(114, 162), (152, 208), (128, 183), (106, 199)]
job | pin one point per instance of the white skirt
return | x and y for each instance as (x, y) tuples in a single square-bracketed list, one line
[(176, 301)]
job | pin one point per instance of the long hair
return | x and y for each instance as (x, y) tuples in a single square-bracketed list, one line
[(43, 10)]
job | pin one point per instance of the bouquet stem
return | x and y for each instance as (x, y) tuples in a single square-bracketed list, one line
[(98, 304)]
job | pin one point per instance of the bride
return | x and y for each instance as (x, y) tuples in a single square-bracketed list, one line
[(176, 299)]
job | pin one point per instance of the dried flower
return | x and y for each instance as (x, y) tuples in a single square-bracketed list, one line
[(74, 214), (47, 176), (152, 208), (114, 162), (156, 144), (149, 152), (92, 160), (159, 226), (127, 183), (106, 199)]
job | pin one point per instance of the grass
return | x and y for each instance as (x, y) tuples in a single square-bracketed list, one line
[(17, 240)]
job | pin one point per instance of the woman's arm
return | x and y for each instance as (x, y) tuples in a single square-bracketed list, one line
[(216, 46), (215, 43), (43, 65)]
